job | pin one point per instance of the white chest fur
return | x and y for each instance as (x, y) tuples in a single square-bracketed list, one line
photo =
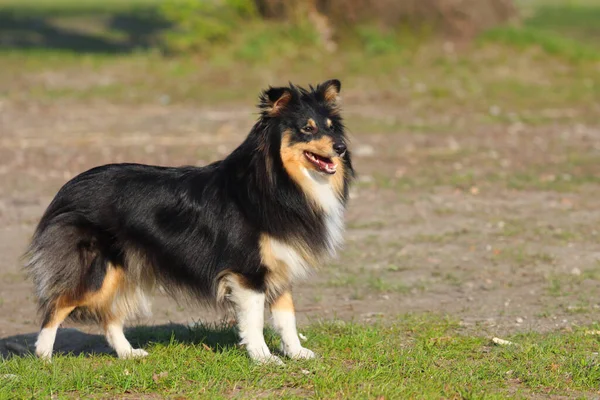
[(298, 260), (297, 266), (325, 196)]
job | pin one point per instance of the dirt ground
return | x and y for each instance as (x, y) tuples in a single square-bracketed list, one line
[(496, 225)]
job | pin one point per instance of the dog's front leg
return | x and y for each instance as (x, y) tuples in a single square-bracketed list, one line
[(284, 322), (250, 308)]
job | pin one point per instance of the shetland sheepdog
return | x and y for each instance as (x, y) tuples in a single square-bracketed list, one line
[(239, 231)]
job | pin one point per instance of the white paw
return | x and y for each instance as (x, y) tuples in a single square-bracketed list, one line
[(133, 353), (299, 353), (44, 355), (264, 356), (272, 359)]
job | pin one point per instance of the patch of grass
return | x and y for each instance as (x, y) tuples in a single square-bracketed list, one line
[(571, 170), (555, 286), (566, 29), (257, 44), (449, 278), (85, 60), (383, 284), (213, 29), (512, 227), (577, 168), (568, 284), (444, 211), (592, 273), (559, 285), (73, 7), (575, 19), (361, 124), (419, 356), (519, 256), (551, 42), (342, 281), (560, 234), (580, 308), (374, 224), (440, 238), (376, 41), (397, 268)]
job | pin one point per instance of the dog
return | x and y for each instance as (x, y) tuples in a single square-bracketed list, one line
[(238, 232)]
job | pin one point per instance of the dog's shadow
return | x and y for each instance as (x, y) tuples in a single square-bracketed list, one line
[(75, 342)]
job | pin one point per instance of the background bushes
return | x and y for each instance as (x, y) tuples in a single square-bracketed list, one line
[(198, 24)]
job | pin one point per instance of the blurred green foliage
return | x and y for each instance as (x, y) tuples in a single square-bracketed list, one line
[(237, 30), (548, 41), (199, 24)]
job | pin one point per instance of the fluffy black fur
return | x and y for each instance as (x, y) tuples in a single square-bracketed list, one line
[(187, 224)]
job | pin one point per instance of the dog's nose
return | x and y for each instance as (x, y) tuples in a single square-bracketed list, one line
[(340, 148)]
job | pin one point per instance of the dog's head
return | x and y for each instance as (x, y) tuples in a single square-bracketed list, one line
[(312, 133)]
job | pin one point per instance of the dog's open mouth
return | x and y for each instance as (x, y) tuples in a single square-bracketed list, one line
[(324, 164)]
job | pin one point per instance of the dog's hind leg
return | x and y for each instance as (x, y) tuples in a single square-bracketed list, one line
[(117, 340), (55, 315), (114, 302)]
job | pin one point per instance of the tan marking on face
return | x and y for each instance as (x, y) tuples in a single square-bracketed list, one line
[(311, 122), (294, 160), (283, 303), (328, 123)]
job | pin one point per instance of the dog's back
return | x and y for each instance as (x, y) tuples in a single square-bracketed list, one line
[(117, 223)]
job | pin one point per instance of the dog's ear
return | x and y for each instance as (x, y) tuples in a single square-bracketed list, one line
[(274, 100), (330, 90)]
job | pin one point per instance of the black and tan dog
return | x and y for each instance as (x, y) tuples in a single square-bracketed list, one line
[(239, 231)]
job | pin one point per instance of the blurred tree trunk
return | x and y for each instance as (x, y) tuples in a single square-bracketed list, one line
[(458, 18)]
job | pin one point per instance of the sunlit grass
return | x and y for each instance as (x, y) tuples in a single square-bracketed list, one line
[(417, 356)]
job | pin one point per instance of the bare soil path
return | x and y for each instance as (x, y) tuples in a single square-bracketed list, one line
[(497, 225)]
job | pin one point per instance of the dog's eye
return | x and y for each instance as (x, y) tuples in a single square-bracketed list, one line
[(308, 129)]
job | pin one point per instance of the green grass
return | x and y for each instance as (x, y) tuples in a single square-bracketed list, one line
[(568, 29), (578, 20), (431, 92), (76, 8), (551, 42), (574, 170), (418, 356), (518, 256)]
